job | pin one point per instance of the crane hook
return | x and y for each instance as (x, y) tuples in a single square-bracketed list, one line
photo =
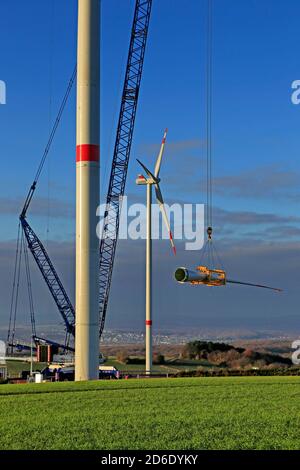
[(209, 232)]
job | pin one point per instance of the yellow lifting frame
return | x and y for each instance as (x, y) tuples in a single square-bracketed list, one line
[(218, 280)]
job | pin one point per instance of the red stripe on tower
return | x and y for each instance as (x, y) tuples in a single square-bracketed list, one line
[(148, 322), (87, 153)]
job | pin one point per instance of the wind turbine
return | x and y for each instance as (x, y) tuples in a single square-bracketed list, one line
[(152, 180)]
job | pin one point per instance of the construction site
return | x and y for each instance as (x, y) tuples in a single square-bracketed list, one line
[(81, 354), (150, 228)]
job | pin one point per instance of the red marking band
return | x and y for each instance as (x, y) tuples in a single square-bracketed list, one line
[(148, 322), (172, 243), (87, 153)]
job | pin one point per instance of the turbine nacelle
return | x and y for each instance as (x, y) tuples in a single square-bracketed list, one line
[(142, 180)]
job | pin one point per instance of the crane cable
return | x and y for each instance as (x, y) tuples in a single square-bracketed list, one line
[(49, 143), (29, 288), (20, 240), (210, 255), (21, 249), (12, 303), (207, 253), (51, 56), (14, 309), (209, 119)]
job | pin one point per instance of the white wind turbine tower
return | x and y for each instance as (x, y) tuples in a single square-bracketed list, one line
[(152, 179)]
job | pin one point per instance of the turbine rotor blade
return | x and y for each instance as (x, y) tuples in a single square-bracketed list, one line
[(253, 285), (148, 171), (159, 158), (160, 202)]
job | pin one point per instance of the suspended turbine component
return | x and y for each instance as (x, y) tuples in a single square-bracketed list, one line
[(203, 275), (152, 179), (211, 277)]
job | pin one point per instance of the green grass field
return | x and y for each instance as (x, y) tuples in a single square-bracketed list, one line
[(141, 367), (152, 414), (15, 367)]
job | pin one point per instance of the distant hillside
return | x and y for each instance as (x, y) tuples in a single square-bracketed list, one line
[(226, 355)]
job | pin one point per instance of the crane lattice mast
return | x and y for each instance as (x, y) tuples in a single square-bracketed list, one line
[(122, 148)]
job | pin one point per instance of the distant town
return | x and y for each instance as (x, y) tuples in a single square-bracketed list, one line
[(161, 337)]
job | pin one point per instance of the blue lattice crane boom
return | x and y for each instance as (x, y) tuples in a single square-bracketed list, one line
[(39, 252), (51, 278), (122, 149)]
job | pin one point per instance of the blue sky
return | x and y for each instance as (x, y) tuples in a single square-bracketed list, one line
[(256, 163)]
